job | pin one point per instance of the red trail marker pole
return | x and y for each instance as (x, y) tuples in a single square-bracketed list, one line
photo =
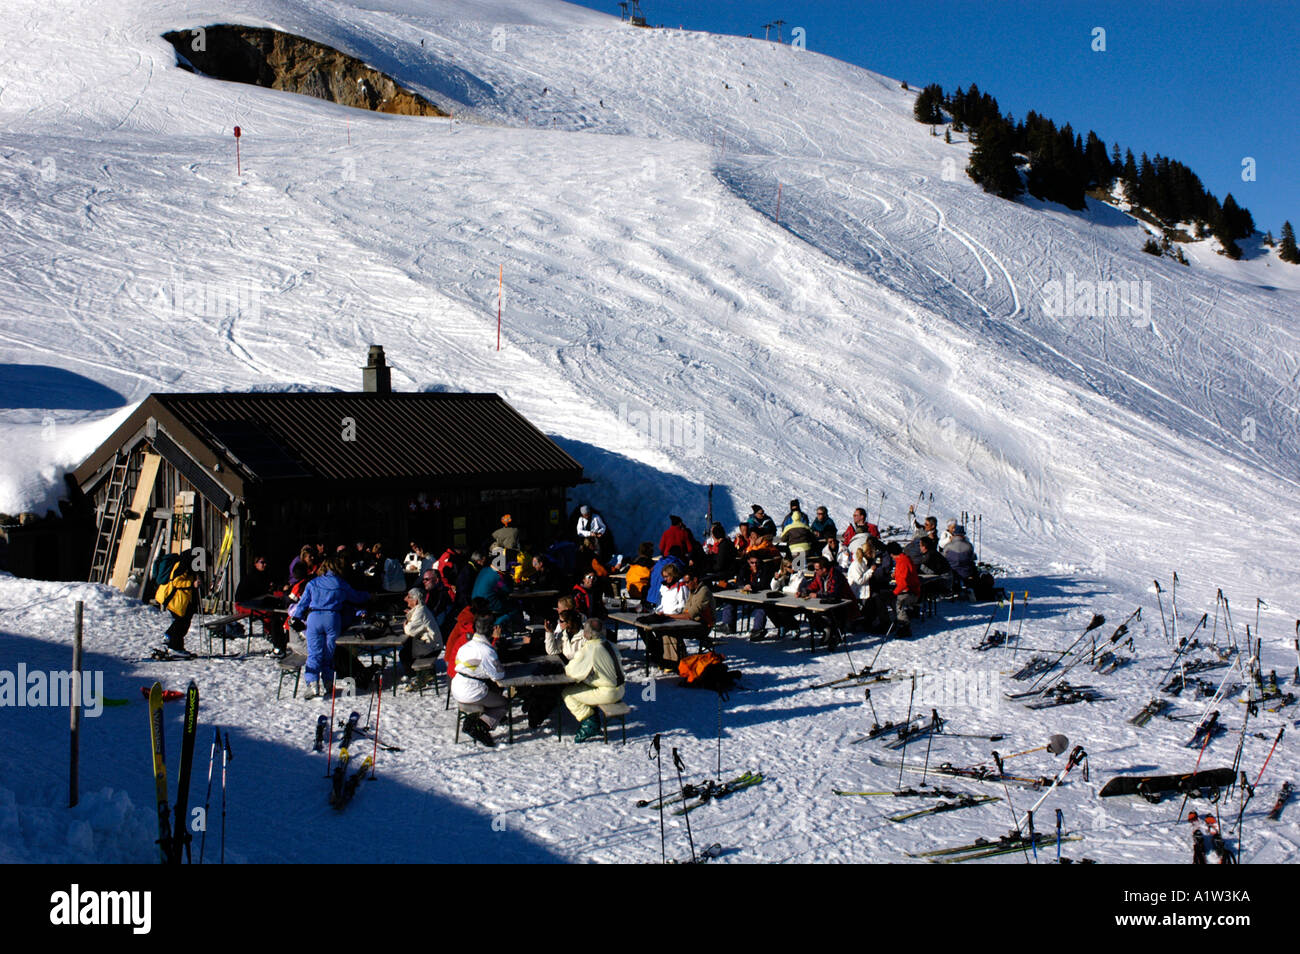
[(238, 167)]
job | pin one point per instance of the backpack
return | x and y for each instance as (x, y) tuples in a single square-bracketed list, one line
[(708, 671), (985, 591), (164, 567)]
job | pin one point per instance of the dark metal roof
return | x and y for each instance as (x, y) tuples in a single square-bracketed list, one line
[(268, 437)]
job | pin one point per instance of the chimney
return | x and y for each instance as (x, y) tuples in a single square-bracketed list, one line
[(376, 376)]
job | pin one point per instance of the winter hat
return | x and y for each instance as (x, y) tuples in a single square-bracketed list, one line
[(894, 548), (755, 508)]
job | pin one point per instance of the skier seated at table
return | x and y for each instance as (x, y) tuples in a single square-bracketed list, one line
[(475, 685), (587, 596), (934, 569), (961, 556), (254, 595), (567, 638), (666, 651), (638, 572), (423, 635), (828, 582), (750, 578), (698, 607), (463, 631), (600, 679)]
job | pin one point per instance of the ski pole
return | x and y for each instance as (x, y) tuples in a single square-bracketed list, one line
[(994, 615), (677, 763), (1015, 819), (1076, 757), (1056, 744), (226, 756), (903, 759), (1059, 819), (1184, 645), (1214, 634), (1258, 604), (1033, 839), (1200, 755), (1227, 625), (379, 707), (659, 771), (207, 800), (1173, 608), (875, 719), (329, 752), (1097, 620), (719, 736), (370, 708), (1247, 793), (1161, 603), (1270, 755), (938, 727), (1020, 623), (1297, 650)]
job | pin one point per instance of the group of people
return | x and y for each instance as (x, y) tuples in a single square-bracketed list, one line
[(458, 606), (462, 607), (879, 584)]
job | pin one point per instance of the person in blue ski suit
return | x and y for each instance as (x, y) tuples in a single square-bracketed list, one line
[(321, 607)]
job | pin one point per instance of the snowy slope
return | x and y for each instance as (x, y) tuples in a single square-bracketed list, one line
[(888, 332)]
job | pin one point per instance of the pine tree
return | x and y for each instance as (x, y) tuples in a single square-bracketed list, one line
[(928, 101), (1233, 222), (993, 162), (1286, 249)]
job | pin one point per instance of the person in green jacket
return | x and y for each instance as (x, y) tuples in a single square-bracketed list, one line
[(599, 675)]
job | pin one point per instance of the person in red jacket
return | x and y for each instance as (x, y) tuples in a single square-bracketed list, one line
[(678, 535), (907, 591), (463, 631), (858, 525), (828, 582)]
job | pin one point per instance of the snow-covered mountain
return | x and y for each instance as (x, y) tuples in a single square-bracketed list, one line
[(890, 328)]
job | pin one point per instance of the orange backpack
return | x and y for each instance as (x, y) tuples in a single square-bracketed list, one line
[(692, 667)]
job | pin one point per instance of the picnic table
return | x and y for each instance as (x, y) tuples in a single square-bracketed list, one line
[(806, 605), (373, 641), (645, 623), (542, 671)]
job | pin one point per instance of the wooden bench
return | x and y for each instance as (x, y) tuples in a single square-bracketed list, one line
[(290, 665), (427, 664), (219, 629), (613, 710)]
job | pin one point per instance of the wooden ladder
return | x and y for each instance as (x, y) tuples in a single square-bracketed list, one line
[(110, 520)]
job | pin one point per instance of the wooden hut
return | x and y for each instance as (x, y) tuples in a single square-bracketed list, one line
[(238, 474)]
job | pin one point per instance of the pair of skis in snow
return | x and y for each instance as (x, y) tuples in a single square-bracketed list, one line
[(174, 838), (343, 786)]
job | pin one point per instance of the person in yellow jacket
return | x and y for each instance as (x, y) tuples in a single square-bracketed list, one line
[(599, 675), (180, 597)]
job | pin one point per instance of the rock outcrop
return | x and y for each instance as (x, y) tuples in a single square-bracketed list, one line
[(277, 60)]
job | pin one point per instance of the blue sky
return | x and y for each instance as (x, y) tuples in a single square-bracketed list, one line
[(1206, 82)]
